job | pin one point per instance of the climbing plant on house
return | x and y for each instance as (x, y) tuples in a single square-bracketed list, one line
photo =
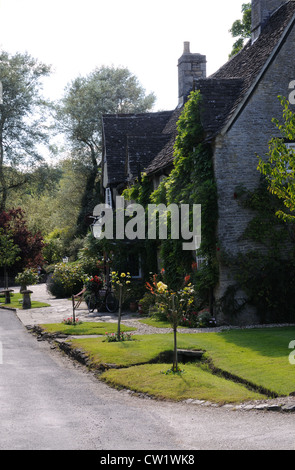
[(191, 181)]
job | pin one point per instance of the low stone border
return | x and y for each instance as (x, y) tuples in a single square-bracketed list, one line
[(282, 404)]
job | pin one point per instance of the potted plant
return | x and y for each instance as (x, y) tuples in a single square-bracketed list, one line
[(26, 278)]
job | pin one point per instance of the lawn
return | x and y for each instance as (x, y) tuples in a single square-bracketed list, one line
[(84, 328), (259, 356), (194, 382), (16, 302)]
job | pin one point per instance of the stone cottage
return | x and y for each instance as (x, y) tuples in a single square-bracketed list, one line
[(239, 101)]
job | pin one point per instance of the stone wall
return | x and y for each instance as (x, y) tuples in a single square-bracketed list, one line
[(235, 157)]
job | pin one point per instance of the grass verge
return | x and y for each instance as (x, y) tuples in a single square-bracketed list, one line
[(194, 382), (256, 356)]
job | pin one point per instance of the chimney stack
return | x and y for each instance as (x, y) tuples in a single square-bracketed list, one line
[(190, 68), (261, 11)]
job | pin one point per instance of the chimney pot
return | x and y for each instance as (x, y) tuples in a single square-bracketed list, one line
[(186, 47), (191, 67)]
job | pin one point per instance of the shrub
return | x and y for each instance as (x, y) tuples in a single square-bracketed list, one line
[(28, 277), (114, 337), (147, 303), (66, 279), (71, 321)]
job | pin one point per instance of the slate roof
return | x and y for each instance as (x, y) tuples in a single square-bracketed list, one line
[(142, 150), (245, 68), (224, 91), (138, 136), (165, 157)]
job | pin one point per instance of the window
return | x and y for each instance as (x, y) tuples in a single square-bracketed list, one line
[(108, 199), (201, 260)]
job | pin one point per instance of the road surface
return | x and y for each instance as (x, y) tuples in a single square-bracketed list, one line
[(49, 402)]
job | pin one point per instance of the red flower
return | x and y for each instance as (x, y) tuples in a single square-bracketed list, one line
[(187, 278), (194, 266), (149, 287)]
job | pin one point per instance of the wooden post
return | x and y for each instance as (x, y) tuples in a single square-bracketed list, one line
[(73, 302)]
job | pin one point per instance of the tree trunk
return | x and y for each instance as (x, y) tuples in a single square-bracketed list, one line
[(119, 316), (3, 189), (5, 277), (175, 358), (174, 316)]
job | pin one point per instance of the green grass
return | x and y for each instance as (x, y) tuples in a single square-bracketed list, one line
[(151, 321), (143, 348), (259, 356), (194, 382), (16, 302), (84, 328)]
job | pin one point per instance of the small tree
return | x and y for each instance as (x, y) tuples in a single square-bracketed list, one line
[(121, 286), (174, 304), (13, 222)]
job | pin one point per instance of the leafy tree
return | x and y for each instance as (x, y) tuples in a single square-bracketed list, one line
[(279, 169), (13, 223), (174, 304), (241, 29), (86, 99), (52, 202), (9, 252), (22, 119)]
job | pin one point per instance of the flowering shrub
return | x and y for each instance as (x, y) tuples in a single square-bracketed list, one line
[(94, 284), (121, 287), (71, 321), (171, 305), (113, 337), (121, 284)]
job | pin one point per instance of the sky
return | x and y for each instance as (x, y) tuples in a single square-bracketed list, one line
[(147, 37)]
